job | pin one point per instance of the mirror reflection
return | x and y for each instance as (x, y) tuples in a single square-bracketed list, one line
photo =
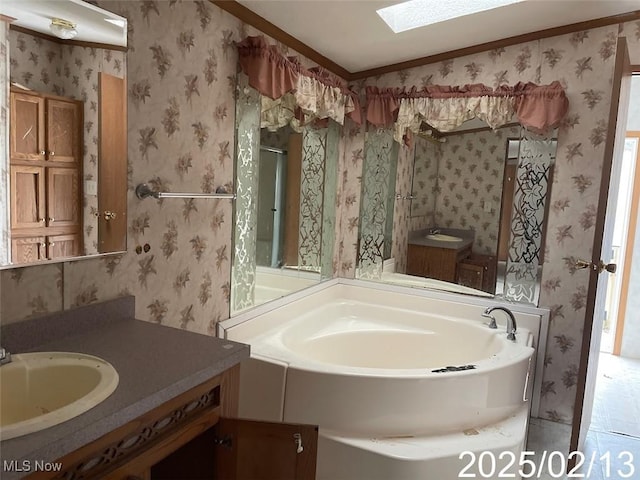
[(285, 207), (64, 192), (470, 191)]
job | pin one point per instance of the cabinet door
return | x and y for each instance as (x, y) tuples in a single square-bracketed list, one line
[(252, 450), (27, 249), (415, 260), (61, 246), (63, 131), (27, 127), (63, 202), (27, 197), (470, 275)]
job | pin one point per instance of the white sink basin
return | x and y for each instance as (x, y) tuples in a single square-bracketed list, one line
[(442, 237), (42, 389)]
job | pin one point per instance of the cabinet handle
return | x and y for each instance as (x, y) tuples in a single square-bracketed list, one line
[(52, 153), (43, 152), (41, 220), (51, 244), (298, 439), (51, 219)]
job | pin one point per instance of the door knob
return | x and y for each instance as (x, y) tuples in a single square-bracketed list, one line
[(109, 215), (600, 267), (609, 267)]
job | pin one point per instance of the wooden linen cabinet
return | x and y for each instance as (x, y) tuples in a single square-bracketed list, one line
[(45, 175)]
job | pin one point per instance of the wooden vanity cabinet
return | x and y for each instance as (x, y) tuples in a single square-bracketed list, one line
[(45, 176), (194, 436), (435, 262)]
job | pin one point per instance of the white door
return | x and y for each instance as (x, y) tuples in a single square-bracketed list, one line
[(602, 253)]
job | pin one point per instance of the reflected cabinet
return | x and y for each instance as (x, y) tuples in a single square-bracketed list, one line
[(45, 176)]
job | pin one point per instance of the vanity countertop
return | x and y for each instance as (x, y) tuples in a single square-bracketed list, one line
[(155, 363), (419, 237)]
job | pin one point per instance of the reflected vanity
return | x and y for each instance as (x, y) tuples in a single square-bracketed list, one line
[(64, 178), (469, 192)]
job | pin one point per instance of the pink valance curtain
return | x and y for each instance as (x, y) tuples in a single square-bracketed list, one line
[(291, 93), (536, 107), (294, 95)]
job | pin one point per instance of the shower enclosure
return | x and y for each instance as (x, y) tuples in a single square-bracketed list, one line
[(271, 188)]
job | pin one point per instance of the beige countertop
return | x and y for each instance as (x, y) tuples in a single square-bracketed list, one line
[(419, 237), (155, 363)]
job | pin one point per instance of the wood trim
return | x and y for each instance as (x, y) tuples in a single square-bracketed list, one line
[(628, 250), (7, 18), (247, 16), (504, 42), (75, 43), (620, 69)]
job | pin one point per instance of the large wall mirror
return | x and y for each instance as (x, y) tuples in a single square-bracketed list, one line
[(64, 172), (285, 214), (468, 215)]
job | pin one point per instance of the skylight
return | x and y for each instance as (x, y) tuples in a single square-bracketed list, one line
[(418, 13)]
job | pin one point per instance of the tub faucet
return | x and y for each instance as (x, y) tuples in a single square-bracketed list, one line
[(5, 357), (511, 321)]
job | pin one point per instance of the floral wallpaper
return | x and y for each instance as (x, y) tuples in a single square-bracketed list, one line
[(181, 77), (470, 191), (424, 182), (69, 71)]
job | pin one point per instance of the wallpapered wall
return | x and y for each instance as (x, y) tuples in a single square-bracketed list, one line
[(470, 169), (181, 71), (181, 78), (471, 173), (69, 71)]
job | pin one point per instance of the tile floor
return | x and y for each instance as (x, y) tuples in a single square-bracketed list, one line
[(613, 440)]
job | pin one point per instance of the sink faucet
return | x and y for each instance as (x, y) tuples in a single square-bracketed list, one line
[(5, 357), (434, 231), (511, 321)]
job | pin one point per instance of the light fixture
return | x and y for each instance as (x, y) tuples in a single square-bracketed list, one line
[(63, 28), (418, 13)]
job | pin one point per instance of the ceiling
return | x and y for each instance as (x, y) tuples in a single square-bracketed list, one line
[(91, 21), (351, 34)]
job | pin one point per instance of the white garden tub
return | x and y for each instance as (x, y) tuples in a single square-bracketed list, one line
[(371, 362)]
